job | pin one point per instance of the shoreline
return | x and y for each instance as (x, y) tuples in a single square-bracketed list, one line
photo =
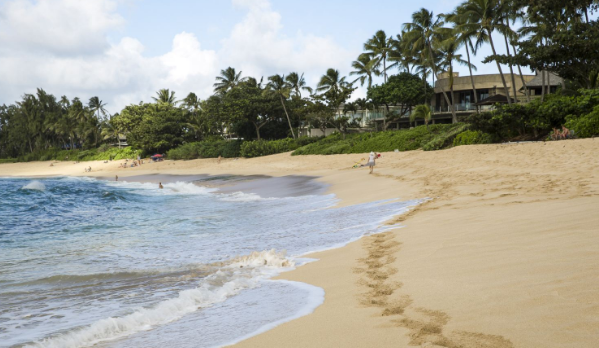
[(500, 257)]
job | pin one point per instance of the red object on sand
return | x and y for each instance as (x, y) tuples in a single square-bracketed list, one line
[(157, 155)]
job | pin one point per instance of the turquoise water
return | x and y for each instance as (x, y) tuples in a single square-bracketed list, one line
[(86, 262)]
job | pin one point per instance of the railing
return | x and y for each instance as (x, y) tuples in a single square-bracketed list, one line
[(463, 107)]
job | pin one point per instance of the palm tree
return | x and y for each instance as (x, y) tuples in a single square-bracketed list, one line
[(165, 96), (331, 81), (365, 68), (485, 15), (297, 83), (448, 52), (276, 84), (378, 48), (422, 111), (227, 80), (464, 33), (424, 33), (192, 103), (401, 56), (97, 106)]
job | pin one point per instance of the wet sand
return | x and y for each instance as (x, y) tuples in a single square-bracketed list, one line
[(503, 255)]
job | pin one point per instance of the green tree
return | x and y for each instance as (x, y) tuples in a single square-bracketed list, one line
[(403, 90), (277, 85), (297, 83), (227, 80), (166, 97), (152, 127), (97, 107), (422, 111), (448, 51), (365, 69), (377, 48), (486, 16)]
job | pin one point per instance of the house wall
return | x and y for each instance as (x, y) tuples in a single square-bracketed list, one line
[(491, 82)]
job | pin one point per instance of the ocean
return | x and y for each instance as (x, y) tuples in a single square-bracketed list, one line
[(86, 262)]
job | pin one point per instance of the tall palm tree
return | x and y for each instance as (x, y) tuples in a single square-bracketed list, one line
[(401, 56), (297, 84), (378, 47), (463, 34), (422, 111), (485, 14), (227, 80), (276, 84), (165, 96), (448, 52), (424, 34), (97, 107), (331, 81), (365, 69)]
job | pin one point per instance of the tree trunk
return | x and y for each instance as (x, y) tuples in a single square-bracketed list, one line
[(257, 129), (450, 103), (471, 76), (507, 91), (526, 91), (507, 48), (385, 69), (288, 119), (542, 85), (454, 117)]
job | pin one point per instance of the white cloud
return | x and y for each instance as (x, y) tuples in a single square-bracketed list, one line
[(62, 46), (62, 27), (257, 46)]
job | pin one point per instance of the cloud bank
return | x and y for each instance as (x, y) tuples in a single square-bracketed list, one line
[(63, 46)]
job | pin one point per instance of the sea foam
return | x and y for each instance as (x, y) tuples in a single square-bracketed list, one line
[(34, 185), (242, 273)]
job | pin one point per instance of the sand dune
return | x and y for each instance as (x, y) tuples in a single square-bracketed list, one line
[(504, 254)]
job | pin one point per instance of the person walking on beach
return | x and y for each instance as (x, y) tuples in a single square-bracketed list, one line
[(219, 158), (371, 161), (116, 178)]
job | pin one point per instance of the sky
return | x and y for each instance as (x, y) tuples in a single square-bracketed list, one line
[(123, 51)]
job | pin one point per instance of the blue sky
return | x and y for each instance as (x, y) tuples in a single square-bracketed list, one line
[(125, 50)]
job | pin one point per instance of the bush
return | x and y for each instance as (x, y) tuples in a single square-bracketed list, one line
[(584, 126), (470, 137), (54, 154), (206, 149), (8, 160), (403, 140), (444, 139)]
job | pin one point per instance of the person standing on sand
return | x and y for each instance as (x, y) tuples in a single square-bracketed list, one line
[(371, 161), (219, 158)]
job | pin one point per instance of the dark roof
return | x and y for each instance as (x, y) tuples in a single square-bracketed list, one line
[(537, 81), (494, 99)]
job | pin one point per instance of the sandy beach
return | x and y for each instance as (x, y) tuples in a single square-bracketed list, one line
[(503, 254)]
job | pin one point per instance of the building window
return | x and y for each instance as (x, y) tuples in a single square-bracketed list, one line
[(482, 94)]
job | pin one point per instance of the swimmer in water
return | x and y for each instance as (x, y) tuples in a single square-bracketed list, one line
[(160, 185)]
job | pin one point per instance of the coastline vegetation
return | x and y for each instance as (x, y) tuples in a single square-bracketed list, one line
[(255, 116)]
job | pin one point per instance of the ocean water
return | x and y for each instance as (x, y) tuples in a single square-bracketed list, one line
[(85, 262)]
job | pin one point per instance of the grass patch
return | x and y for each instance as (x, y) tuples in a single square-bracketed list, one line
[(432, 138)]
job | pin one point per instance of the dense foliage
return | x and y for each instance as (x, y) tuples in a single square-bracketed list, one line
[(206, 149), (470, 137), (258, 148), (40, 122), (98, 154), (402, 140), (536, 119)]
